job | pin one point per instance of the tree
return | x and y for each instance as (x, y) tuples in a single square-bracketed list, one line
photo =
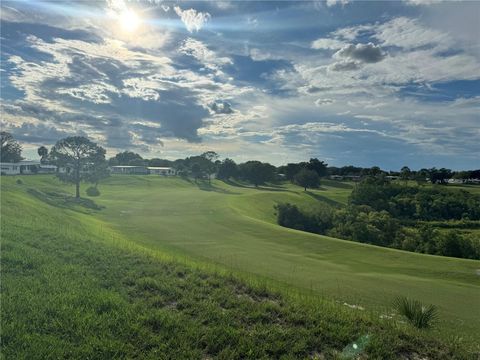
[(227, 169), (307, 179), (257, 172), (11, 150), (320, 167), (127, 158), (97, 172), (43, 153), (405, 174), (80, 155), (209, 166)]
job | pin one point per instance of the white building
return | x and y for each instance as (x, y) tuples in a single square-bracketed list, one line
[(24, 167), (165, 171), (129, 169)]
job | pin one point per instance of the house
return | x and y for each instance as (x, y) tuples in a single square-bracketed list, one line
[(24, 167), (47, 169), (165, 171), (336, 177), (129, 169)]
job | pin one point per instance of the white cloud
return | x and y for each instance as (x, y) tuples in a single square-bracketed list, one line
[(337, 2), (199, 51), (192, 19), (328, 44)]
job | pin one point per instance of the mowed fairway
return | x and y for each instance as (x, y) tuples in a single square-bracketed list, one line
[(234, 227)]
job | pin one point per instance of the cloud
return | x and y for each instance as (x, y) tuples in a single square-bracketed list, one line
[(410, 34), (366, 53), (327, 44), (221, 107), (344, 66), (207, 57), (320, 102), (337, 2), (192, 19)]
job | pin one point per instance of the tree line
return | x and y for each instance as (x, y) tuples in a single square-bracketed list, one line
[(392, 215), (84, 160)]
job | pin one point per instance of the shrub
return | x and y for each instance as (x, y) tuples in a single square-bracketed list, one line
[(93, 191), (419, 315), (19, 182)]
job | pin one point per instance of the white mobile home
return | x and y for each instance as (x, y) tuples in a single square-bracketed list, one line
[(23, 167), (165, 171), (129, 169)]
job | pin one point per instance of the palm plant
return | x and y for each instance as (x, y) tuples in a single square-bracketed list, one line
[(419, 315)]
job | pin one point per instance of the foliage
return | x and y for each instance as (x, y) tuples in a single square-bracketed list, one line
[(96, 172), (93, 191), (419, 315), (80, 155), (257, 172), (416, 203), (19, 182), (43, 153), (227, 169), (127, 158), (363, 224), (11, 150), (307, 179)]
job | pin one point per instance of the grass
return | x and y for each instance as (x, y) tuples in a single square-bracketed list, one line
[(80, 282)]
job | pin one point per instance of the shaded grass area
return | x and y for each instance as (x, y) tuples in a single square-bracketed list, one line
[(74, 288)]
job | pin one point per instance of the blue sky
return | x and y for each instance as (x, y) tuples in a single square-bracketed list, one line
[(350, 82)]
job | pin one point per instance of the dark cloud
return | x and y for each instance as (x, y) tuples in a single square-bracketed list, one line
[(221, 107), (344, 66), (366, 53), (39, 133)]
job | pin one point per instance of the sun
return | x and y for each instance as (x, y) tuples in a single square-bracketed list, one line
[(129, 21)]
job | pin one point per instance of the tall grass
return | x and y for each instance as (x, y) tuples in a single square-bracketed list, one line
[(419, 315)]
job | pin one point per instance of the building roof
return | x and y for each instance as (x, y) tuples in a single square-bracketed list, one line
[(128, 166), (159, 168)]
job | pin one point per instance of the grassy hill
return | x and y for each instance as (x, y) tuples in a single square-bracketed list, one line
[(89, 276)]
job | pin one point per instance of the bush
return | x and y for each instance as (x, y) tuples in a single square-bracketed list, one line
[(93, 191), (419, 315), (19, 182)]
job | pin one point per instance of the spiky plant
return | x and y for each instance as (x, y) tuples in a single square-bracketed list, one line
[(419, 315)]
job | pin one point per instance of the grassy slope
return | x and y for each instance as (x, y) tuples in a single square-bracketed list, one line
[(234, 226), (228, 225), (72, 287)]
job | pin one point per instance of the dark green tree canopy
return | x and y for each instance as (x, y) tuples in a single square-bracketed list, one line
[(307, 179), (227, 169), (257, 172), (127, 158), (11, 150)]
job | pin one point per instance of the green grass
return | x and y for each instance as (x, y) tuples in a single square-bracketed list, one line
[(76, 280)]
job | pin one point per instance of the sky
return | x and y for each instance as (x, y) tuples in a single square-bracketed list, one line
[(365, 83)]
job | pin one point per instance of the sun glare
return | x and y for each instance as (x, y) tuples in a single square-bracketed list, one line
[(129, 21)]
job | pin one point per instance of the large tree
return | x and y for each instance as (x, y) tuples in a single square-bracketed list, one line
[(320, 167), (307, 179), (80, 157), (227, 169), (127, 158), (11, 150), (257, 172)]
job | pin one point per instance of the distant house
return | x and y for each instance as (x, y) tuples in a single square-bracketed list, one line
[(165, 171), (336, 177), (129, 169), (24, 167), (47, 169)]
